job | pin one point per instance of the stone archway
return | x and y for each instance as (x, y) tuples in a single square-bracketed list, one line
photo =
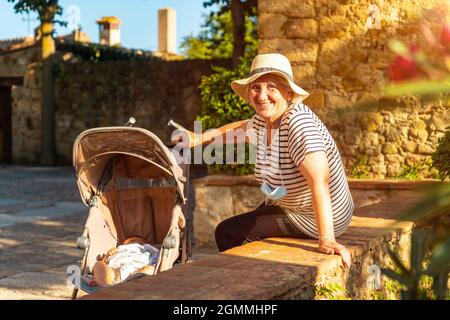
[(6, 117)]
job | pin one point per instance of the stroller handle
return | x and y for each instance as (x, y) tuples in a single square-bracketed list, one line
[(130, 122), (176, 125)]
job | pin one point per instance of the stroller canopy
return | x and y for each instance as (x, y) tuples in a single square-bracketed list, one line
[(94, 148)]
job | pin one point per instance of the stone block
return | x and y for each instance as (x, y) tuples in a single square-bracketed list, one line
[(370, 139), (441, 122), (302, 28), (327, 7), (246, 198), (291, 8), (296, 50), (409, 146), (371, 121), (303, 72), (372, 151), (352, 136), (207, 217), (413, 159), (271, 25), (379, 170), (332, 26), (393, 134), (335, 101), (418, 130), (423, 148), (390, 148), (334, 50), (395, 158), (393, 169)]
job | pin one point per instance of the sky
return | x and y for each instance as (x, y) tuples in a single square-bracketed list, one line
[(139, 28)]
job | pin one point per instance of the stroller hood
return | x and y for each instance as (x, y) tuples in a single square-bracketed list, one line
[(94, 148)]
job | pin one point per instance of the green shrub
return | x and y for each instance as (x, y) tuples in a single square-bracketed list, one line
[(419, 170), (361, 170), (441, 157), (221, 106)]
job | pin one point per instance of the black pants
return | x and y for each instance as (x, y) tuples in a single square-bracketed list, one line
[(263, 222)]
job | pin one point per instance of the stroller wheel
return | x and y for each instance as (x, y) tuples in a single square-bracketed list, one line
[(169, 242), (83, 242)]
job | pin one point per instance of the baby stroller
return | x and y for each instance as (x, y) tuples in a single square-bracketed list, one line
[(134, 187)]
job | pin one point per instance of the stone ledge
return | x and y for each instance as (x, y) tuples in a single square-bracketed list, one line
[(281, 268), (364, 184)]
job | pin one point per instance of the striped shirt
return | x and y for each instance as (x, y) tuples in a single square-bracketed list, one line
[(301, 132)]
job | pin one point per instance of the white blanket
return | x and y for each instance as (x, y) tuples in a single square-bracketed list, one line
[(132, 257)]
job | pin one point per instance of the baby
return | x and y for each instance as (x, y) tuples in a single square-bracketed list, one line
[(133, 256)]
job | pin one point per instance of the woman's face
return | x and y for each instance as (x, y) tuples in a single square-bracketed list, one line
[(269, 96)]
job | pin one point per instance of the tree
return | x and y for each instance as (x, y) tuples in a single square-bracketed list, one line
[(47, 11), (239, 10), (215, 40)]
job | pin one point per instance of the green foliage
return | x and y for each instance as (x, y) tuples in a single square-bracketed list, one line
[(221, 106), (427, 277), (415, 282), (378, 295), (441, 158), (417, 171), (392, 289), (46, 9), (215, 39), (361, 170), (418, 88), (331, 291)]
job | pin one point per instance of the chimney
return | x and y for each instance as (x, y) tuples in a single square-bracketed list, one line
[(167, 30), (109, 31)]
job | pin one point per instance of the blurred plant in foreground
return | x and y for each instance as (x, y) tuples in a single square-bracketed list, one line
[(425, 72)]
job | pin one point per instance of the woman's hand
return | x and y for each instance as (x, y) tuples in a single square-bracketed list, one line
[(185, 139), (332, 247)]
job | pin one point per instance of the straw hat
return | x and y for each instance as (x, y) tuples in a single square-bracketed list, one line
[(274, 63)]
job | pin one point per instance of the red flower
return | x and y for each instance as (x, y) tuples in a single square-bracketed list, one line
[(445, 37), (405, 67)]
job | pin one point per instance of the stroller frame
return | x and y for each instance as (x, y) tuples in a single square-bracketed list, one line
[(86, 156)]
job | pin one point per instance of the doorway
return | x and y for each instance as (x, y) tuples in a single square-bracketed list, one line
[(5, 125), (6, 118)]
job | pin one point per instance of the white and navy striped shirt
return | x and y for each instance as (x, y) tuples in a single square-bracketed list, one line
[(301, 132)]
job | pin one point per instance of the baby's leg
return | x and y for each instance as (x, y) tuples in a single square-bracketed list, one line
[(103, 274), (148, 270)]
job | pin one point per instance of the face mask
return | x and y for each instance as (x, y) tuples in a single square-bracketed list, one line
[(273, 194)]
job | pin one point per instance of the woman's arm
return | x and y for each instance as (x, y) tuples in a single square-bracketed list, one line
[(317, 173), (235, 132)]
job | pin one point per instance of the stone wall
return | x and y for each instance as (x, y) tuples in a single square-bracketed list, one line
[(106, 94), (26, 103), (92, 94), (220, 197), (340, 56)]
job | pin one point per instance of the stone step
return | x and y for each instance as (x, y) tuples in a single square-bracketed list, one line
[(281, 268)]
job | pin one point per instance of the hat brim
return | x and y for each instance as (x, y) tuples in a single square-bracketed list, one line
[(240, 86)]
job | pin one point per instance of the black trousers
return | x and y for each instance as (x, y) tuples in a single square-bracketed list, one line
[(263, 222)]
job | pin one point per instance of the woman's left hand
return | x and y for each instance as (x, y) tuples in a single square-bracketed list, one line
[(332, 247)]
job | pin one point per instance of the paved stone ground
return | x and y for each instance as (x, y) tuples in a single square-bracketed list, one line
[(41, 216)]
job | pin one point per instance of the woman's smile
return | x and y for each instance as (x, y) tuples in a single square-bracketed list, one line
[(269, 97)]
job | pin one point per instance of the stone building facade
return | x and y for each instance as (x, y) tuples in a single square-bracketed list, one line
[(93, 94), (20, 79), (339, 52)]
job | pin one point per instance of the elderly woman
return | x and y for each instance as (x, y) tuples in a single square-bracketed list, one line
[(297, 163)]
